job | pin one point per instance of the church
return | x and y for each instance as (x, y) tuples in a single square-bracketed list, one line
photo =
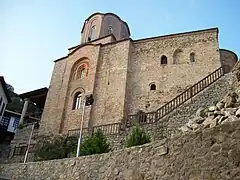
[(124, 76)]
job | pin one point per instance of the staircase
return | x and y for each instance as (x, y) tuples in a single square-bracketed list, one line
[(152, 117)]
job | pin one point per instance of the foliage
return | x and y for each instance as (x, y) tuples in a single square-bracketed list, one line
[(95, 144), (137, 137), (55, 148), (20, 126)]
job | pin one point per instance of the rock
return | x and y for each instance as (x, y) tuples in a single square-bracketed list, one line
[(192, 125), (220, 105), (231, 118), (219, 113), (238, 113), (184, 129), (232, 111), (198, 120), (229, 102), (221, 119), (230, 99), (226, 114), (210, 122), (201, 112), (212, 108), (210, 114)]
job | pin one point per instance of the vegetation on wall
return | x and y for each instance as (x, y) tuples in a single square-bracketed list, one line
[(55, 148), (95, 144), (66, 146), (137, 137)]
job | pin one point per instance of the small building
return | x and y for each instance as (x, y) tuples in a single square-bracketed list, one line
[(4, 100)]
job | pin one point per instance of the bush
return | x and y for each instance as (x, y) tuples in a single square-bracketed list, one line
[(95, 144), (55, 148), (137, 137)]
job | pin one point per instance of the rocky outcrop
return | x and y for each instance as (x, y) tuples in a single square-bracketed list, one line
[(226, 110)]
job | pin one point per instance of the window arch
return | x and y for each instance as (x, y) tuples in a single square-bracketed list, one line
[(177, 56), (77, 101), (164, 59), (192, 57), (153, 87), (79, 70)]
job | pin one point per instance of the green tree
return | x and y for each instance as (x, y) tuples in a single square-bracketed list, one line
[(95, 144), (55, 148), (137, 137)]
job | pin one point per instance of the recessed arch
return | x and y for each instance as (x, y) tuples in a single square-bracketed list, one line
[(80, 69), (192, 57), (177, 56), (79, 89), (152, 86), (164, 60)]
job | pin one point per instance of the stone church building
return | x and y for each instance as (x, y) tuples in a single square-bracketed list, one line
[(125, 75)]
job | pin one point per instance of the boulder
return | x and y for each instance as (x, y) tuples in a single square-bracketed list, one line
[(212, 108), (198, 120), (232, 111), (219, 113), (201, 112), (229, 102), (209, 122), (220, 105), (230, 99), (192, 125), (238, 113), (184, 129), (221, 119), (231, 118)]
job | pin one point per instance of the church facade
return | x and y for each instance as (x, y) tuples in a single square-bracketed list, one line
[(124, 75)]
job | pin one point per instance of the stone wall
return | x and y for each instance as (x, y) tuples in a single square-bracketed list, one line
[(210, 154), (170, 124), (177, 75)]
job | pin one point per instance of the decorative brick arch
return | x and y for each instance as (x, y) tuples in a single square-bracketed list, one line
[(79, 67)]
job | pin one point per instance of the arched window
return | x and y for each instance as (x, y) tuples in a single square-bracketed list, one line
[(192, 57), (80, 71), (152, 87), (92, 33), (110, 29), (164, 59), (77, 101)]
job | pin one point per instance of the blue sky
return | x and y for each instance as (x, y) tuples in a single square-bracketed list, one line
[(33, 33)]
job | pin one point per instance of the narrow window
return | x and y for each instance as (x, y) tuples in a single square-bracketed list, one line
[(82, 73), (164, 59), (77, 101), (153, 87), (2, 109), (0, 101), (192, 57), (110, 29), (92, 33)]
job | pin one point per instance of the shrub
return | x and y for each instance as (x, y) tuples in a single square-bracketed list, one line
[(55, 148), (20, 126), (137, 137), (95, 144)]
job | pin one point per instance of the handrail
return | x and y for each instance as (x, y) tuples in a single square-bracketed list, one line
[(107, 129), (152, 117)]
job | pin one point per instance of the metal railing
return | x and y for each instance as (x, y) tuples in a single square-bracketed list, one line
[(151, 117)]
